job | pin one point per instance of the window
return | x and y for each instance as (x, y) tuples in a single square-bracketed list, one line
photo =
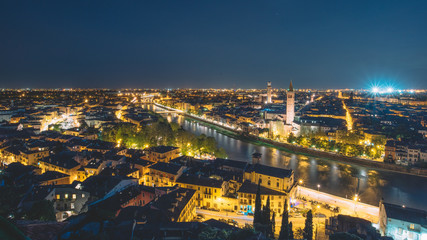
[(277, 184), (58, 196), (412, 226), (74, 196), (269, 182), (72, 206), (66, 196), (83, 195)]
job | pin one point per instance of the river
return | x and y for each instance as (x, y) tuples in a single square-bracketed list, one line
[(336, 178)]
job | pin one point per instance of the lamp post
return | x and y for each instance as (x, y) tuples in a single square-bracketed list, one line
[(318, 187), (356, 198), (300, 183)]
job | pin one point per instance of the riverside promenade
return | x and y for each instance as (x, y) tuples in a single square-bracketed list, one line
[(308, 151)]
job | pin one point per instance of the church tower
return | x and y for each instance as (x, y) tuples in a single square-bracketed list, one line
[(268, 92), (290, 105)]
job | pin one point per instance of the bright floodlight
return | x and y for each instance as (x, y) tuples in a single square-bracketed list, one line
[(389, 90), (375, 89)]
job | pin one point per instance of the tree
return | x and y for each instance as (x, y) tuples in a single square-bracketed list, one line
[(291, 232), (284, 230), (308, 229), (266, 212), (245, 233), (344, 236), (42, 210), (273, 224), (209, 233), (258, 212), (299, 233)]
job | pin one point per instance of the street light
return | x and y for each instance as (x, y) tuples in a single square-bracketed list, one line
[(318, 187), (356, 198)]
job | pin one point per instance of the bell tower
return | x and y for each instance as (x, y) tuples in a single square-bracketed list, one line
[(290, 105), (268, 92)]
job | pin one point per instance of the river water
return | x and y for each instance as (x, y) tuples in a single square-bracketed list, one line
[(336, 178)]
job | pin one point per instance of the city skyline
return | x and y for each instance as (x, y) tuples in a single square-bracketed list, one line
[(201, 120), (221, 45)]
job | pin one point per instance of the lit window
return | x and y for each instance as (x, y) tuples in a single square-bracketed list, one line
[(412, 226), (72, 205), (58, 196), (66, 196), (83, 195), (74, 196)]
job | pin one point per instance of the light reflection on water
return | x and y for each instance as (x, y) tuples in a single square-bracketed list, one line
[(336, 178)]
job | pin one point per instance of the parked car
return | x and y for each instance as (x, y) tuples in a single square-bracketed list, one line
[(232, 222)]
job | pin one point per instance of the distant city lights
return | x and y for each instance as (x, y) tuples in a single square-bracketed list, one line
[(382, 90)]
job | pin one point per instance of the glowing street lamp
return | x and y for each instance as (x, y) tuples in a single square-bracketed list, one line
[(356, 197), (375, 90), (318, 187)]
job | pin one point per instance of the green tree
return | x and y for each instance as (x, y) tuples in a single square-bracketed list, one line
[(245, 233), (266, 218), (266, 212), (42, 210), (284, 230), (308, 228), (258, 212), (344, 236), (273, 224), (209, 233), (291, 231)]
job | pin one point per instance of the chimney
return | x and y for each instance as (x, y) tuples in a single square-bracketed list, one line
[(256, 157)]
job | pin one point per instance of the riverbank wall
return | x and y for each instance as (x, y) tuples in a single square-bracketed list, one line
[(316, 153)]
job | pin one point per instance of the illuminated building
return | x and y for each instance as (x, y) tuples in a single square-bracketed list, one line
[(290, 105), (278, 179), (163, 174), (269, 93), (162, 153), (247, 195), (208, 190), (401, 222)]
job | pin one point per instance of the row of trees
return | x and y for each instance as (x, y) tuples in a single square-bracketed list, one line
[(159, 133), (262, 221), (264, 224), (348, 149)]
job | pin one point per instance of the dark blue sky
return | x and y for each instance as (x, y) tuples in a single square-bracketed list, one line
[(240, 44)]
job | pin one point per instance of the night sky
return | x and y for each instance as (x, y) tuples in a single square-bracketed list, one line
[(203, 44)]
